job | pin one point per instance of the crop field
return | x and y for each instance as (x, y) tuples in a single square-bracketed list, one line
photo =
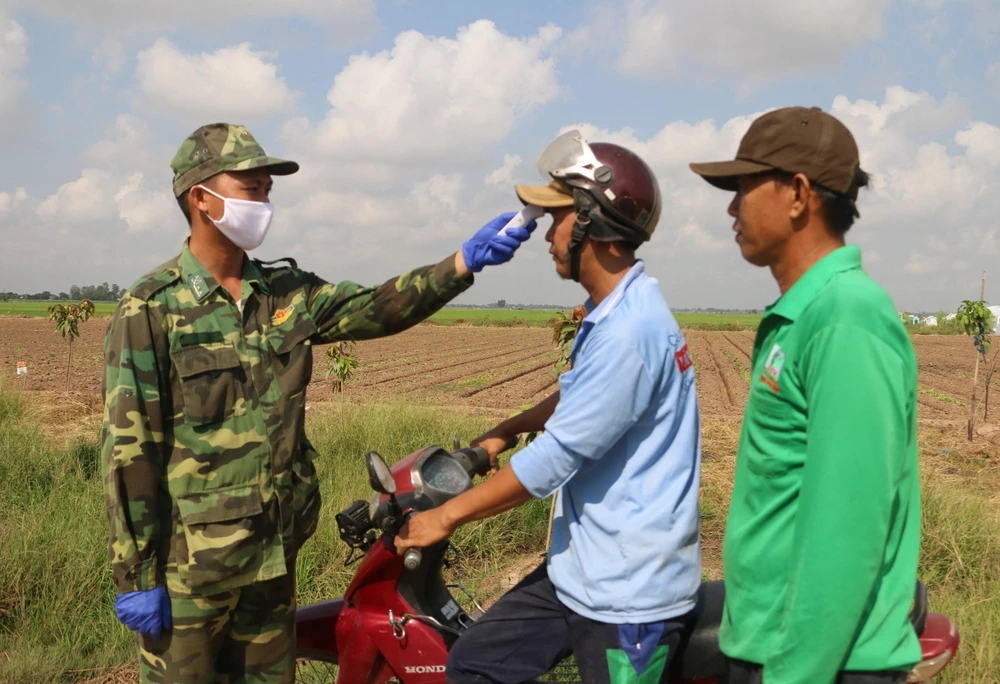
[(490, 367), (36, 308), (495, 317)]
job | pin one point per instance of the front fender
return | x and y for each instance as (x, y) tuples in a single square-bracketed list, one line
[(316, 630)]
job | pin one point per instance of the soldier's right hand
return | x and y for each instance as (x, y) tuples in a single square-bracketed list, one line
[(146, 612)]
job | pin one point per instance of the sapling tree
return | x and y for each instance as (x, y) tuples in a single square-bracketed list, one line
[(341, 363), (976, 320), (68, 319)]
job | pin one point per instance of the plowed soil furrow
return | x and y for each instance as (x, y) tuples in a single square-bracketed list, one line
[(496, 355), (718, 372), (514, 394), (422, 359), (467, 373), (545, 389), (387, 352), (931, 408), (712, 397), (506, 379), (746, 355)]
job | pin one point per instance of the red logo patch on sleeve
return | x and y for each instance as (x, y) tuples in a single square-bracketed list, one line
[(684, 359)]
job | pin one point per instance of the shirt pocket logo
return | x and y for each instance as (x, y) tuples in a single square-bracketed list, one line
[(772, 368), (282, 315)]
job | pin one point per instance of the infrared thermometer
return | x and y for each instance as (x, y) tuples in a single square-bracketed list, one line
[(524, 217)]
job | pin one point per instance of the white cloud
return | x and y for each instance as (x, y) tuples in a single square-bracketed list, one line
[(430, 99), (13, 57), (128, 145), (82, 200), (981, 141), (503, 174), (9, 202), (230, 84), (758, 40), (144, 209)]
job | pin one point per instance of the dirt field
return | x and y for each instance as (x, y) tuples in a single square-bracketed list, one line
[(489, 369)]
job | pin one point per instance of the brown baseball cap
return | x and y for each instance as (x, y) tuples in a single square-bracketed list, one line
[(794, 140)]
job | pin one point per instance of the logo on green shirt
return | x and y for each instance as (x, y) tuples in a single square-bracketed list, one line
[(772, 368)]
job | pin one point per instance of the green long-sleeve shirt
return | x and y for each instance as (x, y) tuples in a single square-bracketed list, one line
[(823, 532)]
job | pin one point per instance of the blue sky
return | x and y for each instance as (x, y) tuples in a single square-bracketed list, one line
[(400, 111)]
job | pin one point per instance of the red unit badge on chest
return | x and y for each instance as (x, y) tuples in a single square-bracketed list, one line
[(684, 359)]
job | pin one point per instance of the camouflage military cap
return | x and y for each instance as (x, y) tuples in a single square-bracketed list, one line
[(220, 147)]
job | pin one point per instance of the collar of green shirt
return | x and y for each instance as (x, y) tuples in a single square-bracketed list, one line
[(794, 302), (203, 283)]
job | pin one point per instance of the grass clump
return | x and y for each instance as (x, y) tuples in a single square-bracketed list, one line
[(960, 562), (57, 618)]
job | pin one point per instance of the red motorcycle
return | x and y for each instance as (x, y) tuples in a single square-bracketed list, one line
[(398, 618)]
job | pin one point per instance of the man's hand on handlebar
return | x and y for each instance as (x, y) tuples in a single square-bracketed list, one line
[(496, 441), (423, 530)]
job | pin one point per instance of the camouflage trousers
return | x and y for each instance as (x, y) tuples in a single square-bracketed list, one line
[(243, 636)]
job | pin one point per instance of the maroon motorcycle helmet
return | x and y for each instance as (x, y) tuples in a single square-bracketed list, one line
[(615, 193)]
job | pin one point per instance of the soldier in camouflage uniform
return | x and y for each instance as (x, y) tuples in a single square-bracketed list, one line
[(210, 484)]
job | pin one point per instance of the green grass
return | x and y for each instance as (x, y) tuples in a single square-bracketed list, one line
[(36, 308), (940, 396), (495, 317), (701, 320), (57, 619), (545, 317), (56, 595), (960, 562)]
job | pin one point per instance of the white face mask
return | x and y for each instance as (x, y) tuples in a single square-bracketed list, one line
[(243, 221)]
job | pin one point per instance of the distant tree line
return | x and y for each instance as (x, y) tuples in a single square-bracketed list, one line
[(96, 293)]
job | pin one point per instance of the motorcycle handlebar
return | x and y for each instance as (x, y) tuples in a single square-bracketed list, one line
[(476, 460), (412, 559)]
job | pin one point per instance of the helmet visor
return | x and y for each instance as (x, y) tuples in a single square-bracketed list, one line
[(568, 156)]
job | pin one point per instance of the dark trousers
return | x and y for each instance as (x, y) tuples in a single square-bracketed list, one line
[(528, 631), (742, 672)]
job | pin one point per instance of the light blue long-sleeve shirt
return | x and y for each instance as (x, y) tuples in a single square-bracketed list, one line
[(623, 449)]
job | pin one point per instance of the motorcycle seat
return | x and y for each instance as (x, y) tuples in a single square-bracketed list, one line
[(698, 656)]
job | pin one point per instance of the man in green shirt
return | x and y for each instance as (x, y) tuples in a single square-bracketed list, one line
[(823, 533)]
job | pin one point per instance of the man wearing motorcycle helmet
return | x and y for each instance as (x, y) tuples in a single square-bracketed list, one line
[(620, 447)]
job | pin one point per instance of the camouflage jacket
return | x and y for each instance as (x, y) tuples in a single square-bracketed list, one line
[(209, 478)]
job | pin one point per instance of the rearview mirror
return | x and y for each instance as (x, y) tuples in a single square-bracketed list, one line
[(379, 475)]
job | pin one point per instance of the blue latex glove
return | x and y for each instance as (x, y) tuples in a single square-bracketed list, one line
[(486, 248), (146, 612)]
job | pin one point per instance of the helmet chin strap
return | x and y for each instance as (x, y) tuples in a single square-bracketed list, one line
[(575, 248), (584, 205)]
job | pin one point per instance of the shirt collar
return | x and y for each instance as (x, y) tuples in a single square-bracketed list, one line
[(597, 314), (203, 283), (793, 303)]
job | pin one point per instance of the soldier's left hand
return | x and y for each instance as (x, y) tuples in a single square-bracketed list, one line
[(146, 612), (488, 248)]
